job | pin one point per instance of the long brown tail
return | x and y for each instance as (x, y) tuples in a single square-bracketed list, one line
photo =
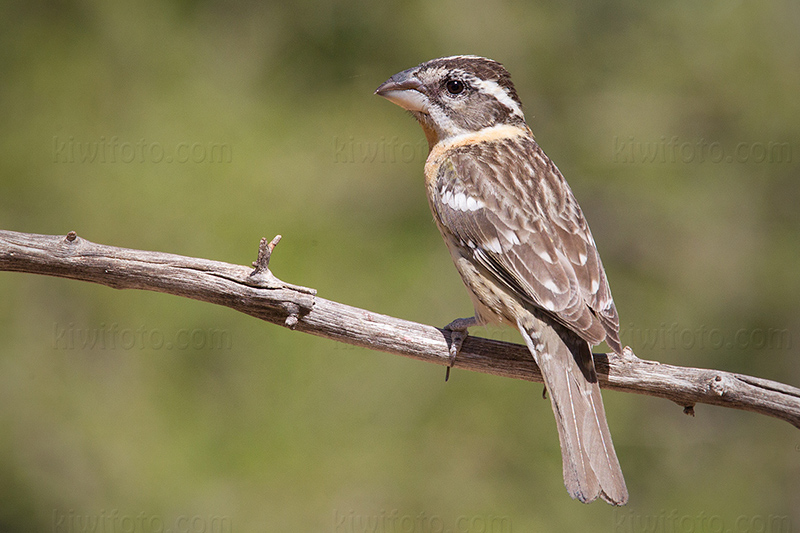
[(591, 468)]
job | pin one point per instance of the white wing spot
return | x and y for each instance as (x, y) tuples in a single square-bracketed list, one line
[(594, 286), (545, 255), (550, 285), (447, 197), (459, 201), (473, 204), (511, 236), (494, 246), (582, 258), (548, 304)]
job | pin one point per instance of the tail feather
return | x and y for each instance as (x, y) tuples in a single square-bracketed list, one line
[(591, 468)]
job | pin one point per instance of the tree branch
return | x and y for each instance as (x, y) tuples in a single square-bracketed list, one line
[(260, 294)]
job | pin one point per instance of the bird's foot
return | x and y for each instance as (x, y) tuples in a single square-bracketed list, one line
[(458, 334)]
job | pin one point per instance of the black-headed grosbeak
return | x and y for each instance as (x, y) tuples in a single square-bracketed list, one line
[(522, 246)]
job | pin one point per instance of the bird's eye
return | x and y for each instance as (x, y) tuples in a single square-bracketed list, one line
[(455, 86)]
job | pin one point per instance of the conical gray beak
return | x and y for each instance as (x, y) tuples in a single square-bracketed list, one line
[(404, 90)]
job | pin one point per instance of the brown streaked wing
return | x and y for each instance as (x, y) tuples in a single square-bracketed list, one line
[(529, 231)]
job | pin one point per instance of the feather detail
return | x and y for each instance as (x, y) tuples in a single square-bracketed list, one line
[(590, 464), (526, 228)]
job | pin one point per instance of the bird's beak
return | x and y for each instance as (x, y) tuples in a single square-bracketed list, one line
[(404, 90)]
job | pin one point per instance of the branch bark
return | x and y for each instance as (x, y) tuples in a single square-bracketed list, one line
[(257, 292)]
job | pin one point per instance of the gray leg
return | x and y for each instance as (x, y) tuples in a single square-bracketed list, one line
[(458, 333)]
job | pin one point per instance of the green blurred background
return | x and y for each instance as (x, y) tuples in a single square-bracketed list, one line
[(197, 127)]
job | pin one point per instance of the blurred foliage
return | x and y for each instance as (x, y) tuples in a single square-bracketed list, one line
[(677, 124)]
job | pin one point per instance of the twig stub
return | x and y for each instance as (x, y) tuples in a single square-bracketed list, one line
[(264, 253)]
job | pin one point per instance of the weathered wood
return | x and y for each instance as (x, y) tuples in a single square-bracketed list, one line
[(260, 294)]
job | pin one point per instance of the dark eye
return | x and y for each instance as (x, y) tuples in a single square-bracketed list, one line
[(455, 86)]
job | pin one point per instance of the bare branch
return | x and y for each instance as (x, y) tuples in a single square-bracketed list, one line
[(260, 294)]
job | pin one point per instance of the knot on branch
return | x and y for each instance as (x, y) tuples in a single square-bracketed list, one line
[(294, 315), (717, 385)]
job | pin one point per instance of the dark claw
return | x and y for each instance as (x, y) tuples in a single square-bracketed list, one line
[(456, 340), (458, 333)]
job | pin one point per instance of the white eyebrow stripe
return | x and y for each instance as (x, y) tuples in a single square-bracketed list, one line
[(499, 92)]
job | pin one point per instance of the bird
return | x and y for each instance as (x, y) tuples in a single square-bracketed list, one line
[(522, 246)]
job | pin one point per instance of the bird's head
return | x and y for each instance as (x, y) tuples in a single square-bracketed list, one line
[(456, 95)]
